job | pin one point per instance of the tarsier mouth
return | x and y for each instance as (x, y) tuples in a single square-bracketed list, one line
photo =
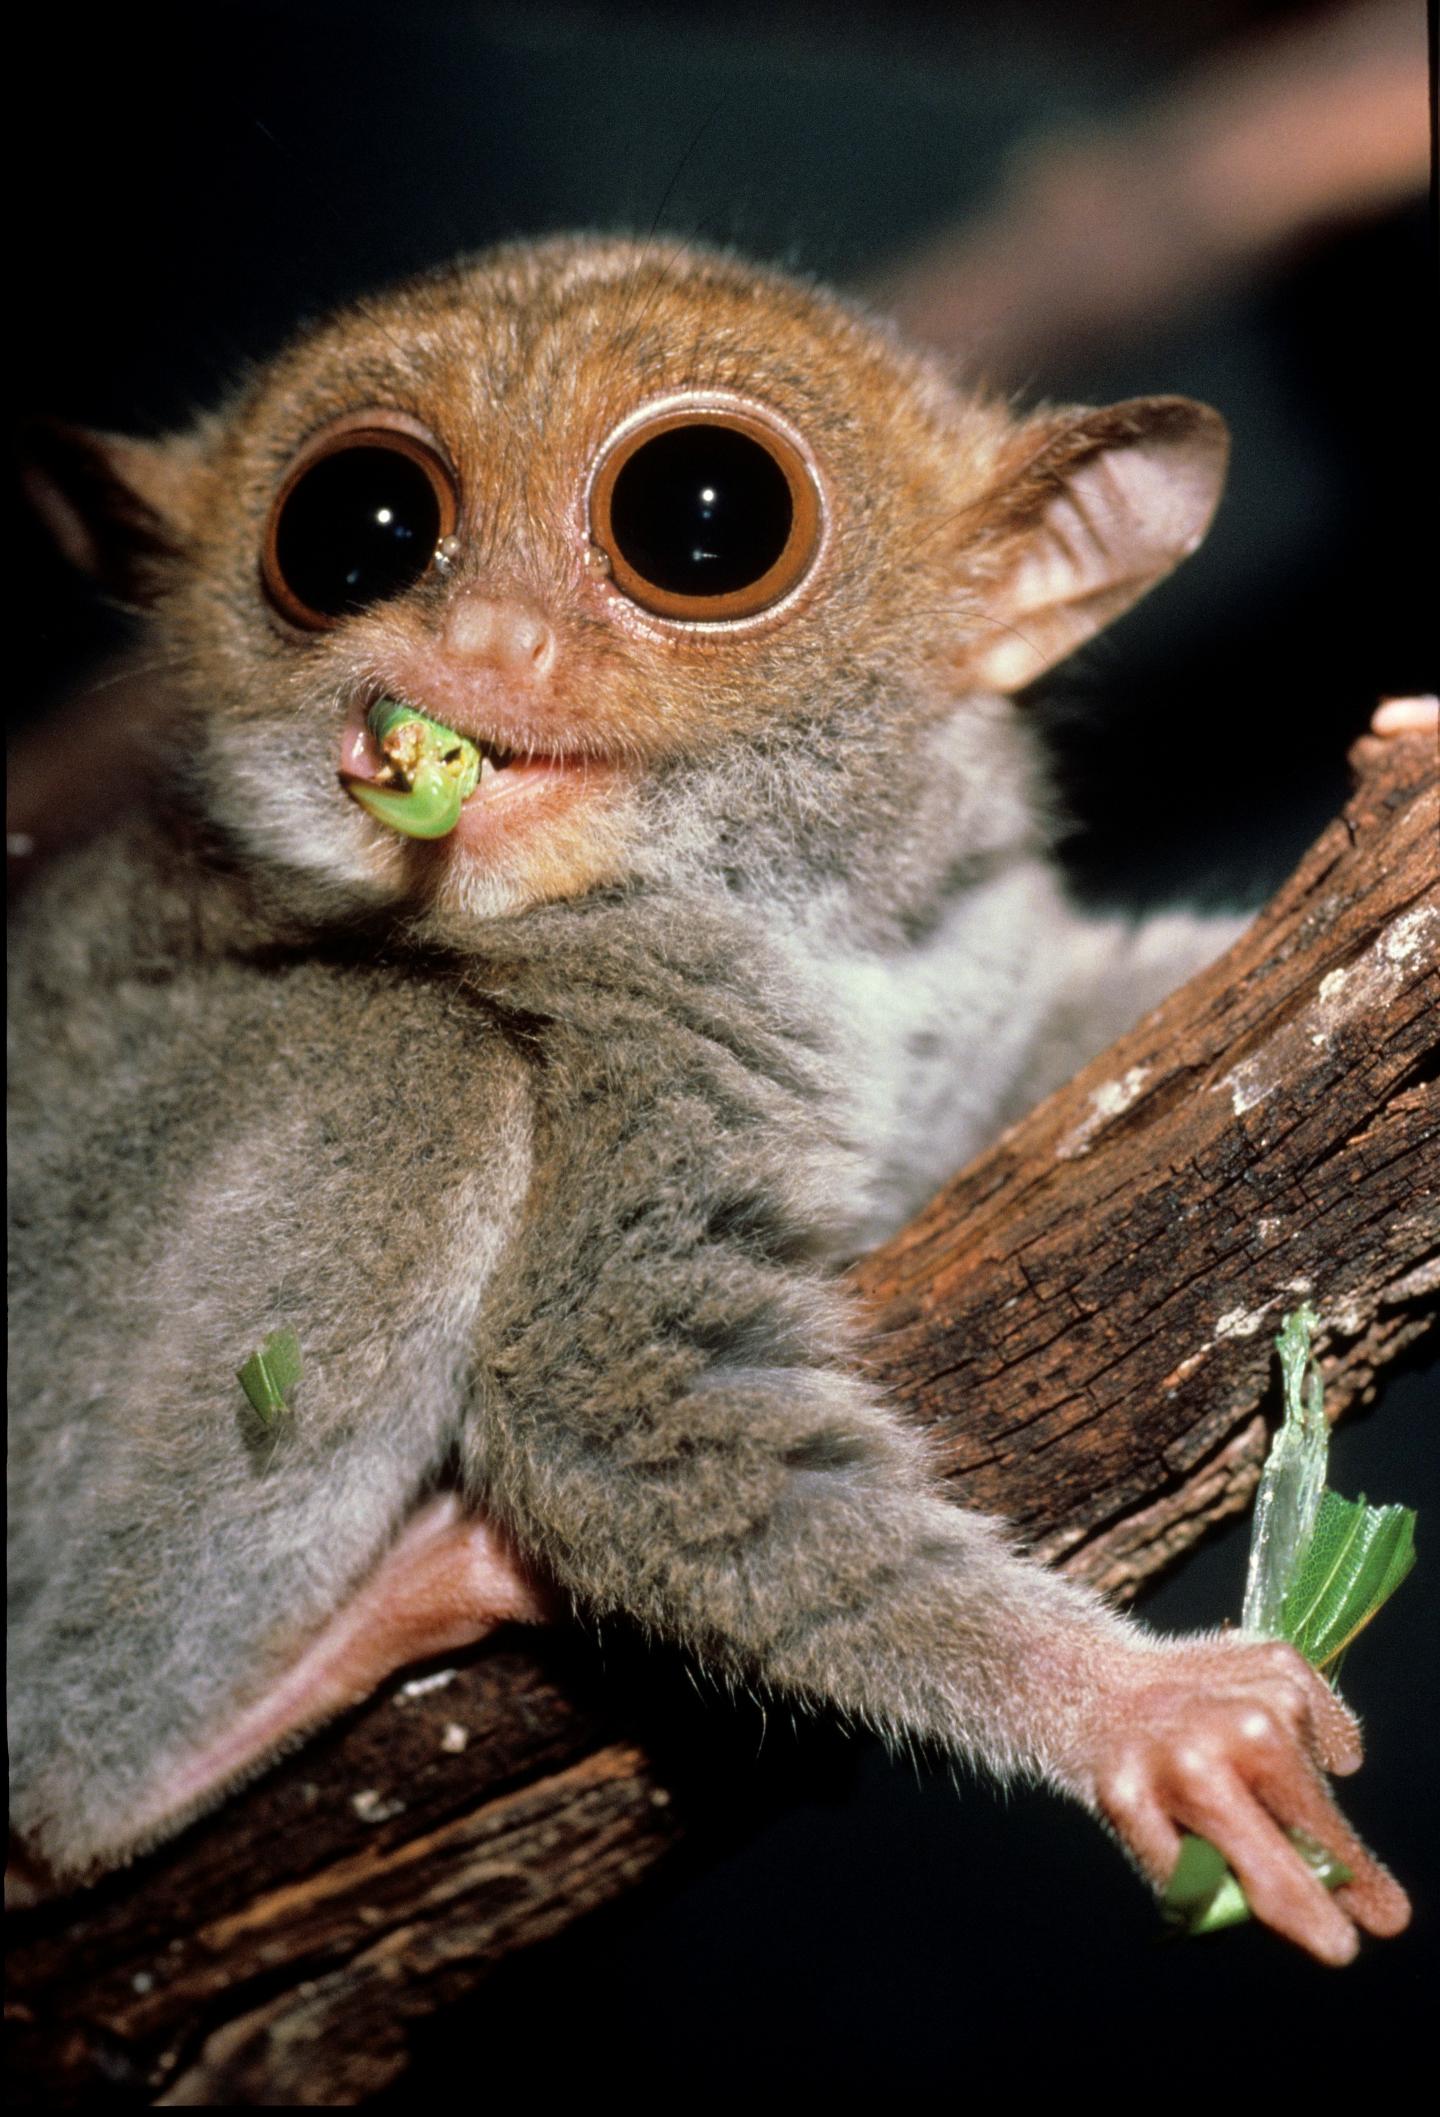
[(428, 773)]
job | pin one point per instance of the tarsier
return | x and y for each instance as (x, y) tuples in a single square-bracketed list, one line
[(546, 1134)]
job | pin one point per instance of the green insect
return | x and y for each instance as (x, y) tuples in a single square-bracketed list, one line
[(429, 772)]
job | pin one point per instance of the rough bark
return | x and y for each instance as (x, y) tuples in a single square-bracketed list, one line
[(1082, 1325), (1083, 1318)]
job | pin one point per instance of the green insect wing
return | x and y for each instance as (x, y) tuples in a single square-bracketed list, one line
[(1291, 1482), (1356, 1559)]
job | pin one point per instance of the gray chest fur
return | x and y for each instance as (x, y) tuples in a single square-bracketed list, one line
[(941, 1040)]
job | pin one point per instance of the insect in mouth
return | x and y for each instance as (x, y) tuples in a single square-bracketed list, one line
[(428, 774)]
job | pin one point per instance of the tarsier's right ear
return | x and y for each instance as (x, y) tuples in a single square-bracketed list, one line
[(117, 508), (1093, 511)]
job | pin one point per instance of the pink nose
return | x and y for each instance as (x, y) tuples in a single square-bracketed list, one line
[(505, 633)]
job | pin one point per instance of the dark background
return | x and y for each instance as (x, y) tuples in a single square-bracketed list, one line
[(194, 181)]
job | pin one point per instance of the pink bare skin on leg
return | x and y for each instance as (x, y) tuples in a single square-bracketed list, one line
[(451, 1578), (448, 1580), (445, 1582)]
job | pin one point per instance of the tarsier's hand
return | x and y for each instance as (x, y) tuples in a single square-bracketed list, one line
[(1230, 1739)]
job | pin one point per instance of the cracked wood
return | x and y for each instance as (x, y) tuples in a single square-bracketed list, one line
[(1082, 1321)]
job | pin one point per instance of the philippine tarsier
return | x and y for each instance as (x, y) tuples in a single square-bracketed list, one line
[(545, 1135)]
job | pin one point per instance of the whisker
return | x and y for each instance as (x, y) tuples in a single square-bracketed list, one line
[(669, 192)]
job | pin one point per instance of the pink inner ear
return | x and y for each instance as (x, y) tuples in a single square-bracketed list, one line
[(449, 1579), (1117, 518)]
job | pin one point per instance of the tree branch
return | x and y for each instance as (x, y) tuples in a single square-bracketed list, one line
[(1081, 1323), (1083, 1318)]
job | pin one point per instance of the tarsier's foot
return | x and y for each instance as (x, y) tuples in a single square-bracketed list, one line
[(1230, 1739)]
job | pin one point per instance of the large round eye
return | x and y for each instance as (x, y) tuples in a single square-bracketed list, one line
[(705, 515), (356, 521)]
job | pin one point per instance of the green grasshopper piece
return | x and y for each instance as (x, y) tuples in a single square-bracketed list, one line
[(429, 772), (1203, 1895), (1320, 1567), (268, 1376)]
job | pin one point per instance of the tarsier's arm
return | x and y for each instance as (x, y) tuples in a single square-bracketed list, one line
[(670, 1421)]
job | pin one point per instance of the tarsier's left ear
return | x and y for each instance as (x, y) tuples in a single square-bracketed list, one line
[(1101, 511), (117, 508)]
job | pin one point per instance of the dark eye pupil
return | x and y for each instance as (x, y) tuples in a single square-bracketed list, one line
[(701, 510), (359, 526)]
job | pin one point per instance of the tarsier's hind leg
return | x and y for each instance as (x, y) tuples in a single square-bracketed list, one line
[(451, 1577)]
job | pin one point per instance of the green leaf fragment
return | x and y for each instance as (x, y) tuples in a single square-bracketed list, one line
[(1356, 1559), (1320, 1568), (268, 1376), (433, 771)]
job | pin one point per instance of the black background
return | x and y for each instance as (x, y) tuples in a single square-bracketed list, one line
[(191, 183)]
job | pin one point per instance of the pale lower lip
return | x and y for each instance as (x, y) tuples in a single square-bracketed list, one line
[(503, 797)]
